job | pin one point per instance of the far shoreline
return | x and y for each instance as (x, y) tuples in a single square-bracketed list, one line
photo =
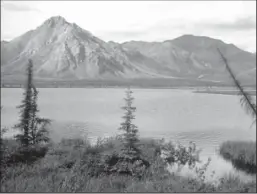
[(225, 92), (203, 90)]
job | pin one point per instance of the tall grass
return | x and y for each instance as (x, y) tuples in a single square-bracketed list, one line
[(241, 154)]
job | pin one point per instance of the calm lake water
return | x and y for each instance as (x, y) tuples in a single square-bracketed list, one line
[(178, 115)]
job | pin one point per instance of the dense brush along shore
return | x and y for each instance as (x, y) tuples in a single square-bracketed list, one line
[(74, 165)]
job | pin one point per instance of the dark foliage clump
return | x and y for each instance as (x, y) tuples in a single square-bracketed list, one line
[(26, 155)]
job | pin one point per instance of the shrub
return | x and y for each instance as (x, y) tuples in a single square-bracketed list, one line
[(26, 155), (180, 154)]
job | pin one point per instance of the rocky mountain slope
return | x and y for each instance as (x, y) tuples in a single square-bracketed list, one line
[(195, 56), (65, 51)]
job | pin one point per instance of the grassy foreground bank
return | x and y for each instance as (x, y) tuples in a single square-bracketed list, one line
[(241, 154), (74, 166)]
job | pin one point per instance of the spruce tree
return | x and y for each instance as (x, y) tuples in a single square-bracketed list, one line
[(130, 130), (33, 128), (39, 132), (128, 160), (34, 114), (25, 110)]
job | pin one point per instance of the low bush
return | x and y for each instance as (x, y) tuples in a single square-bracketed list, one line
[(13, 153)]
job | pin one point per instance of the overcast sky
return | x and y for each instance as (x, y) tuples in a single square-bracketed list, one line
[(231, 21)]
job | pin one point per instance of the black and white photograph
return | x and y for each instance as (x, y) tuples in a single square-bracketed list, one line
[(128, 96)]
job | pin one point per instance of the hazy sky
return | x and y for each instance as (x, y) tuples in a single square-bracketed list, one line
[(231, 21)]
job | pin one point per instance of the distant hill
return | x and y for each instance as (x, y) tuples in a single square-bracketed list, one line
[(63, 50)]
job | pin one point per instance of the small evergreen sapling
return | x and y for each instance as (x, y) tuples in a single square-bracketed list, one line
[(128, 160), (130, 130)]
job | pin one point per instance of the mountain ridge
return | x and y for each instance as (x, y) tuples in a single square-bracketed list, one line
[(63, 50)]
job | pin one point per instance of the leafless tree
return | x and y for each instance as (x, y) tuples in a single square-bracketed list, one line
[(246, 99)]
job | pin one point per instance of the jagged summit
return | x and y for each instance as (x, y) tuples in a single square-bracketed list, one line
[(61, 25), (55, 20)]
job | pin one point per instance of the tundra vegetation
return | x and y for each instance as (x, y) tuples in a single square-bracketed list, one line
[(125, 163)]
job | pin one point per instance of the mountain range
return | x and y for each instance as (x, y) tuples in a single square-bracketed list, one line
[(63, 50)]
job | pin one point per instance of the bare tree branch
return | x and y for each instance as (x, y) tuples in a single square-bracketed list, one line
[(246, 99)]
